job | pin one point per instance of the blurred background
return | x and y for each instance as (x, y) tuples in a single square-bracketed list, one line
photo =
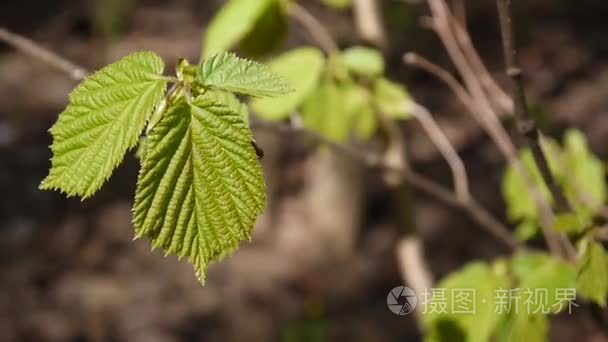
[(322, 259)]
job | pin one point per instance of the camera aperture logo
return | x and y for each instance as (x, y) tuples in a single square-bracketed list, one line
[(401, 300)]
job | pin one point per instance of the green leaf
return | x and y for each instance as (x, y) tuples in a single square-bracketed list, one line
[(571, 223), (200, 187), (142, 148), (586, 175), (324, 106), (338, 4), (520, 204), (367, 122), (268, 32), (523, 326), (539, 277), (391, 99), (331, 110), (540, 273), (231, 101), (228, 72), (303, 79), (364, 61), (580, 174), (592, 279), (476, 319), (359, 112), (232, 23), (526, 230), (106, 114)]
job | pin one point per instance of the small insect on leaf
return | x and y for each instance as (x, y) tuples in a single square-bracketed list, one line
[(258, 150)]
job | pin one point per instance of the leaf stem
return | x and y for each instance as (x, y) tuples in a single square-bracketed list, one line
[(314, 27), (162, 107)]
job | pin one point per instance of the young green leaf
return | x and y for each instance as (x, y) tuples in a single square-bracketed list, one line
[(364, 61), (540, 272), (475, 315), (359, 112), (338, 4), (592, 279), (226, 71), (526, 230), (367, 122), (268, 32), (233, 22), (332, 110), (523, 326), (571, 222), (580, 174), (231, 101), (520, 205), (303, 79), (585, 172), (106, 114), (391, 99), (201, 187)]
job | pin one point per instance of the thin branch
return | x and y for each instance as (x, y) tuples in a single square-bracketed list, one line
[(459, 173), (460, 10), (443, 26), (477, 212), (33, 49), (368, 20), (317, 31), (414, 269), (602, 233), (526, 125), (443, 75), (495, 92)]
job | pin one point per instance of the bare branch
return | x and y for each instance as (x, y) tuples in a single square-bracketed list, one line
[(525, 123), (460, 10), (33, 49), (443, 75), (496, 93), (443, 25), (413, 267), (315, 29), (368, 20), (477, 212), (602, 233), (459, 173)]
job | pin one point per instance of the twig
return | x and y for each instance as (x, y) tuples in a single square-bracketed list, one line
[(368, 21), (602, 233), (460, 10), (495, 92), (33, 49), (413, 268), (524, 121), (459, 173), (526, 125), (443, 75), (477, 212), (317, 31), (443, 26)]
